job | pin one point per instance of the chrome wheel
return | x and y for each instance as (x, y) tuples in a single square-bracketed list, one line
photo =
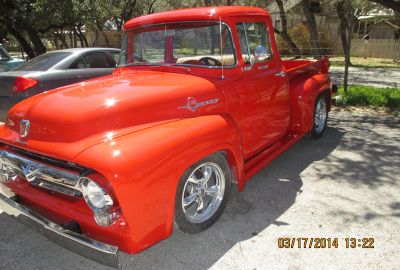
[(203, 192), (320, 115)]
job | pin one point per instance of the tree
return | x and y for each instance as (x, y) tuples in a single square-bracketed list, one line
[(393, 4), (312, 27), (284, 32), (13, 16), (345, 13)]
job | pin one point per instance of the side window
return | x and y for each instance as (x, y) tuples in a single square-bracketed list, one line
[(93, 60), (254, 42)]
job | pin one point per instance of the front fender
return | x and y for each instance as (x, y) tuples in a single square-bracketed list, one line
[(144, 169)]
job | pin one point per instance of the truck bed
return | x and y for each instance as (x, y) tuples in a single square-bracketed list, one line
[(297, 67)]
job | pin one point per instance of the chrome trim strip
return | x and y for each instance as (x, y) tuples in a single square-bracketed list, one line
[(38, 174), (103, 253)]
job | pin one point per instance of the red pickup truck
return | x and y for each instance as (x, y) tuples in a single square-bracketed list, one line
[(200, 101)]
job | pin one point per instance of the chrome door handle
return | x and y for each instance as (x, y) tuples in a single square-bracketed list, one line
[(281, 74), (262, 67)]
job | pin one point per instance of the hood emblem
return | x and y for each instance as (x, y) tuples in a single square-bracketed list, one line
[(193, 105), (24, 128)]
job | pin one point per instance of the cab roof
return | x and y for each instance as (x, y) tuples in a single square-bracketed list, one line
[(193, 14)]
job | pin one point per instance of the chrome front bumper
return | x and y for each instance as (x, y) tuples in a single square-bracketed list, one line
[(80, 244)]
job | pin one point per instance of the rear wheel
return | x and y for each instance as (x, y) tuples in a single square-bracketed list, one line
[(202, 194), (320, 117)]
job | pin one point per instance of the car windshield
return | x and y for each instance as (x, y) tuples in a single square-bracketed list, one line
[(204, 44), (43, 62)]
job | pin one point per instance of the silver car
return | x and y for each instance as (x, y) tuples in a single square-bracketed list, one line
[(52, 70)]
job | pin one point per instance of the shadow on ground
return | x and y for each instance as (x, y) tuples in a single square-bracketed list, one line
[(270, 193), (266, 197)]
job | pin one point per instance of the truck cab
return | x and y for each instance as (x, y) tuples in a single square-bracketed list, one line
[(199, 103)]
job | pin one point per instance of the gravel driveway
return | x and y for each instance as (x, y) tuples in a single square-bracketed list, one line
[(344, 185), (377, 77)]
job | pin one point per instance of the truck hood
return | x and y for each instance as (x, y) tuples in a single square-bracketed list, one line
[(112, 106)]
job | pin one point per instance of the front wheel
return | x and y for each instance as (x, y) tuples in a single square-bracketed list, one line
[(320, 117), (202, 194)]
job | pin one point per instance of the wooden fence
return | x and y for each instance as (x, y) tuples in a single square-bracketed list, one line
[(376, 48)]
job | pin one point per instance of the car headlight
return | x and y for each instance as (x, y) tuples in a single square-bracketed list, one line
[(96, 197)]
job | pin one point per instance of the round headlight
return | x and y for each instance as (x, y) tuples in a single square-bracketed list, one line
[(96, 197)]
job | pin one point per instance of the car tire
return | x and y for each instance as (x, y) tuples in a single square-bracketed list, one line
[(202, 194), (320, 117)]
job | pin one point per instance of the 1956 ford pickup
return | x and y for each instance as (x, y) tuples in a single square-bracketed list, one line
[(201, 100)]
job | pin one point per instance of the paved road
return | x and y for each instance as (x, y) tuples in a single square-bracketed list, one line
[(344, 185), (378, 77)]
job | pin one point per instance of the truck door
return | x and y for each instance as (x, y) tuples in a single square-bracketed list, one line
[(264, 91)]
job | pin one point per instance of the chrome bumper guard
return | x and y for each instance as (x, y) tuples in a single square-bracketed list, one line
[(80, 244)]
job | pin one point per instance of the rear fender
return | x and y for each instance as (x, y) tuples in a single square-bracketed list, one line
[(144, 169), (303, 92)]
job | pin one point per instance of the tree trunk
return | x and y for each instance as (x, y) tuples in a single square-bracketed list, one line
[(82, 36), (345, 36), (71, 38), (283, 33), (99, 28), (55, 41), (82, 39), (151, 7), (312, 27), (22, 42), (36, 41), (61, 37), (76, 35)]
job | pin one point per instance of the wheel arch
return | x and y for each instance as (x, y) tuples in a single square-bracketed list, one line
[(303, 92)]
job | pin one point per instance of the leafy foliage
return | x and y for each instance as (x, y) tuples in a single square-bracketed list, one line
[(371, 96), (32, 21)]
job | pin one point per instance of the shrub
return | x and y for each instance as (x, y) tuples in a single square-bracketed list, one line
[(301, 37), (371, 96)]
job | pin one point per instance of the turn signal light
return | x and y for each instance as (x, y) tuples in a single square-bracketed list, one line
[(23, 83)]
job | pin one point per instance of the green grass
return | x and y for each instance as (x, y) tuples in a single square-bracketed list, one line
[(371, 97)]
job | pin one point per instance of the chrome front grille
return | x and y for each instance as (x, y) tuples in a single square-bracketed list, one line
[(38, 174)]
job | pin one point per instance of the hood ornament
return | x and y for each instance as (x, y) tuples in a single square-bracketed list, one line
[(193, 105), (24, 128)]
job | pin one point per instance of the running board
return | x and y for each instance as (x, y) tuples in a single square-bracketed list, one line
[(255, 164)]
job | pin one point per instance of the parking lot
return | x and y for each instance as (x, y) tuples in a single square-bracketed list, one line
[(344, 185)]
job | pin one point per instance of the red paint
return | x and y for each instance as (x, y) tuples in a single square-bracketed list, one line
[(133, 128)]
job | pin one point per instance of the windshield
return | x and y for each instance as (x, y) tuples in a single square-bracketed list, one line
[(204, 44), (43, 62)]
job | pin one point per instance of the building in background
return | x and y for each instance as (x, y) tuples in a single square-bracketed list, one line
[(384, 30), (364, 22)]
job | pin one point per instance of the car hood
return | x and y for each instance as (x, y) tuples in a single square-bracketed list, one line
[(111, 106)]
